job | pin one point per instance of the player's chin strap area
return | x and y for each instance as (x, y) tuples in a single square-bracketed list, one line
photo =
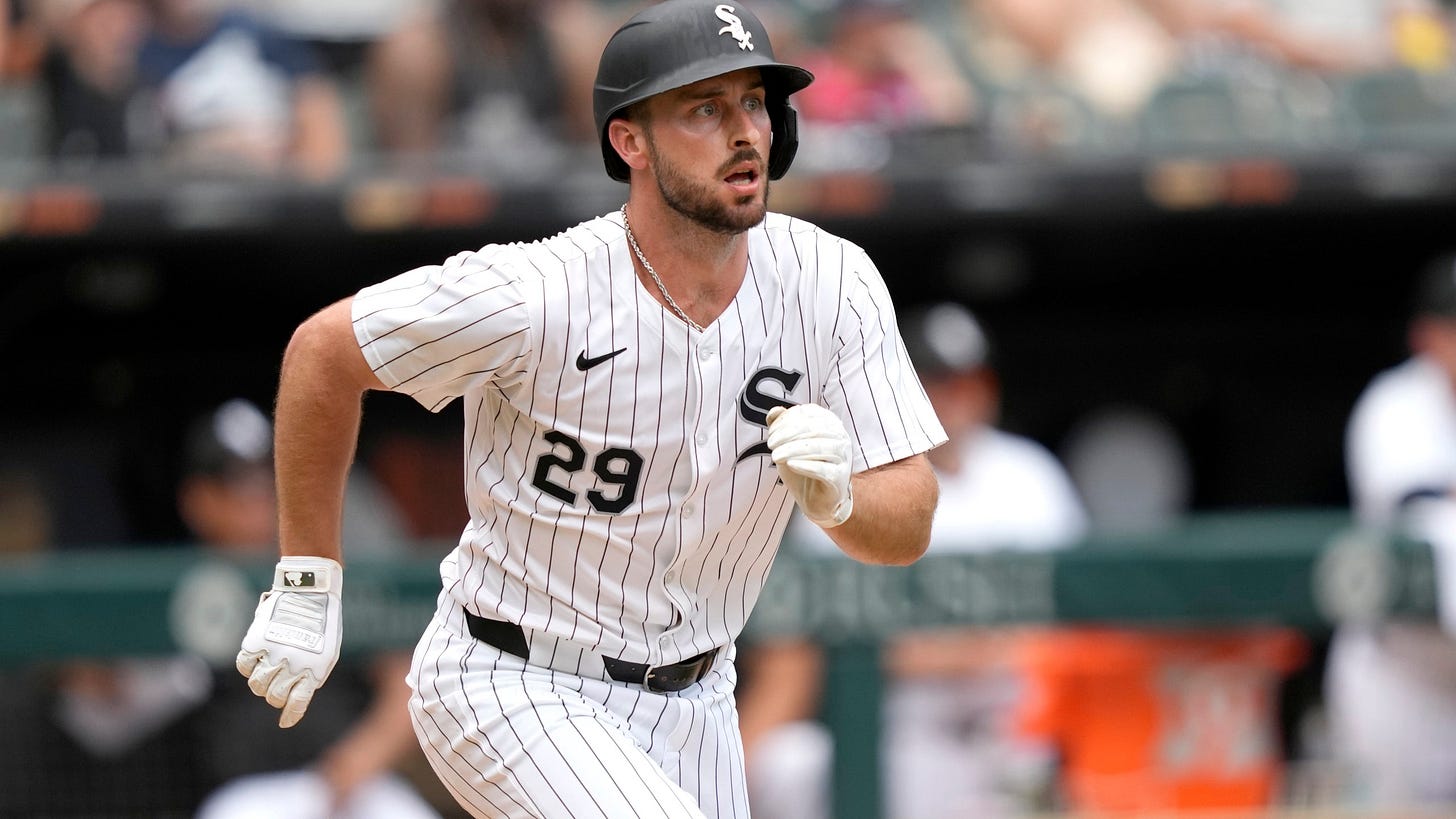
[(510, 638)]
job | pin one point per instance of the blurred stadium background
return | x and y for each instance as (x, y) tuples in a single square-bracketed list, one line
[(1182, 232)]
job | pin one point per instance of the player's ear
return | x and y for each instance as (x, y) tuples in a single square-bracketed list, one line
[(629, 140)]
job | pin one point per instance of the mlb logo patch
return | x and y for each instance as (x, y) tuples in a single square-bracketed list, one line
[(299, 580)]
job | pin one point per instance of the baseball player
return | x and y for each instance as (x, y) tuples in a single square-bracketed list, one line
[(1391, 684), (647, 395)]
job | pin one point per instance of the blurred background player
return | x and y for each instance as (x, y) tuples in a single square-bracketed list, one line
[(340, 762), (948, 747), (1391, 685)]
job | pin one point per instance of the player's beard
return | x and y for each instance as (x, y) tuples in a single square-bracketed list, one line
[(697, 201)]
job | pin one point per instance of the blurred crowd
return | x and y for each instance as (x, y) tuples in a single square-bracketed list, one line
[(986, 723), (313, 89)]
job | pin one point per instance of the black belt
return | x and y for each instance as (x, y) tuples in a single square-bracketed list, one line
[(510, 638)]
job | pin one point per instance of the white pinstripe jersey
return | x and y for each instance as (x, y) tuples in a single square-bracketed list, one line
[(619, 488)]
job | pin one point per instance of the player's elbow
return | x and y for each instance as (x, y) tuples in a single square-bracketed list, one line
[(903, 553), (898, 545), (323, 351), (894, 524)]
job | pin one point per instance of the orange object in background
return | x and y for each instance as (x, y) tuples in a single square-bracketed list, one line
[(1161, 719)]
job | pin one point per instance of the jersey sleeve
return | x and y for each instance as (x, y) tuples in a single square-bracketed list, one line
[(871, 383), (438, 331)]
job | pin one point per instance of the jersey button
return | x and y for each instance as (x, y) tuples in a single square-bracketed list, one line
[(705, 353), (669, 575), (702, 438), (688, 508)]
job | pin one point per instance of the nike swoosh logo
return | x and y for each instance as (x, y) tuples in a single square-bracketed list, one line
[(583, 363)]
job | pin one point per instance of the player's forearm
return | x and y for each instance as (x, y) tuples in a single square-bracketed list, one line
[(320, 390), (893, 508)]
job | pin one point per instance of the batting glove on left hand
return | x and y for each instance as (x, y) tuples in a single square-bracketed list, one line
[(293, 644), (811, 447)]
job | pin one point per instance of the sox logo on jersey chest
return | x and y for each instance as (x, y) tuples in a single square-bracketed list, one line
[(754, 403)]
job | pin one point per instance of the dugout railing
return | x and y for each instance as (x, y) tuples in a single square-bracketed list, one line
[(1306, 568)]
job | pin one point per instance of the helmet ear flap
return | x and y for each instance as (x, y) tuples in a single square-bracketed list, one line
[(785, 141), (616, 167)]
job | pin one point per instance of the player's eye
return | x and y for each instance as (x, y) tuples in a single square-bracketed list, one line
[(753, 104), (707, 109)]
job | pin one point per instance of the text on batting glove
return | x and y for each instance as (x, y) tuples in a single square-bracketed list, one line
[(812, 450), (293, 643)]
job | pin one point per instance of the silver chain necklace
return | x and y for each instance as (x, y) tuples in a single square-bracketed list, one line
[(653, 273)]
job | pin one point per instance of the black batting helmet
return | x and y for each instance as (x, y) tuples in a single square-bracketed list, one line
[(679, 42)]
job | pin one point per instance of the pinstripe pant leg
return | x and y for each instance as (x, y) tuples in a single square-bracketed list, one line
[(693, 736), (515, 741)]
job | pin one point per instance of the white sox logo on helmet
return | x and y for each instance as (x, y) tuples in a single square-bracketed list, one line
[(734, 27)]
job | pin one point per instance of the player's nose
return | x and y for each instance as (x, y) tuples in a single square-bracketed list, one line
[(748, 125)]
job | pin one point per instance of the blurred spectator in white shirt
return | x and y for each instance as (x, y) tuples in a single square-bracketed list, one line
[(236, 94)]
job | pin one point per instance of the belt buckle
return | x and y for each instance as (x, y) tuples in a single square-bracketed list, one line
[(669, 683)]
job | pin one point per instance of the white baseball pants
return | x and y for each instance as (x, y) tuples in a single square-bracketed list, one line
[(510, 739)]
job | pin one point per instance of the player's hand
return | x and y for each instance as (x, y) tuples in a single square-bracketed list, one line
[(811, 447), (293, 643)]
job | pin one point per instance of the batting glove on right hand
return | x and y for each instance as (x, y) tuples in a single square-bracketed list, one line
[(293, 643), (811, 447)]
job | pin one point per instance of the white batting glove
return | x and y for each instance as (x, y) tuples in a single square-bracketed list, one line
[(293, 643), (811, 447)]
